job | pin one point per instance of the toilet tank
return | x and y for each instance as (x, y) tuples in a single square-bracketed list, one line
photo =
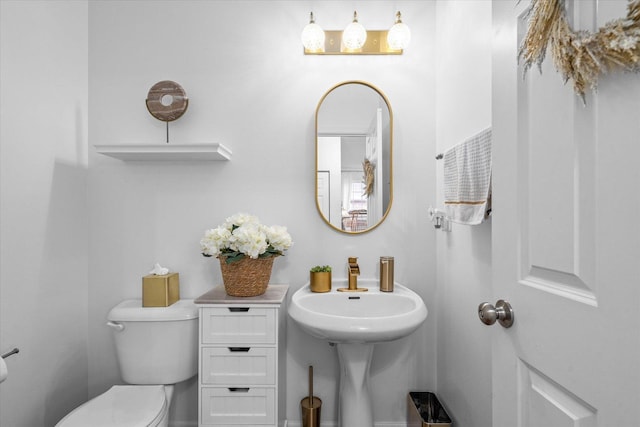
[(155, 345)]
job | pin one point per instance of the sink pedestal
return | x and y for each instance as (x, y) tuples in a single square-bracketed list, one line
[(355, 408), (355, 323)]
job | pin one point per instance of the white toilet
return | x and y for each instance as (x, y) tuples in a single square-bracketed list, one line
[(156, 347)]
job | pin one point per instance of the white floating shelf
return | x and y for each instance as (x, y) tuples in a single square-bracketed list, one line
[(165, 152)]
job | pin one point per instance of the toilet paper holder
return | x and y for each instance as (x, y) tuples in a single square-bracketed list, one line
[(10, 353)]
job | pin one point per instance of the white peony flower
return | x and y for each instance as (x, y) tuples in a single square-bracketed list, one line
[(215, 240), (278, 237), (240, 219), (249, 239)]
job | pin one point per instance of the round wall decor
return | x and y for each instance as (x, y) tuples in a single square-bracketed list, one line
[(167, 101)]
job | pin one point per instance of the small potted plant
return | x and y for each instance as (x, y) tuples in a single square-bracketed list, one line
[(320, 278)]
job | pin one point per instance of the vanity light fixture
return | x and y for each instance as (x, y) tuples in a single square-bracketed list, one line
[(313, 36), (355, 39)]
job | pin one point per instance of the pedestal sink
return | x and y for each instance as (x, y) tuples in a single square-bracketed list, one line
[(355, 322)]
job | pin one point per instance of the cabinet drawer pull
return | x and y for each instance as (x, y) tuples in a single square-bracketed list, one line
[(238, 389), (239, 349), (238, 309)]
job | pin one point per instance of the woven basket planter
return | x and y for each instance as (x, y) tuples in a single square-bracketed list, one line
[(247, 277)]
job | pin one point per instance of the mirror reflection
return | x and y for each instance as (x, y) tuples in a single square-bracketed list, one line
[(354, 127)]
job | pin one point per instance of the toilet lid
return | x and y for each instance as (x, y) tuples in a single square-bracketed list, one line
[(122, 406)]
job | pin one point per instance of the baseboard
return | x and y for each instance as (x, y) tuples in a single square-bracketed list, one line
[(335, 424), (322, 424), (288, 423)]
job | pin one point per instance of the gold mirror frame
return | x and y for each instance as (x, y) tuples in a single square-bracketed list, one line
[(365, 167)]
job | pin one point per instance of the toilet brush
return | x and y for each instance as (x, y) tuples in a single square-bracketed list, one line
[(311, 406)]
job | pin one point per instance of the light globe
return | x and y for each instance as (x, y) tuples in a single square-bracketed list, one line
[(399, 35), (355, 35), (313, 36)]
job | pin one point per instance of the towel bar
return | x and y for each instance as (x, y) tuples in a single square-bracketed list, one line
[(9, 353)]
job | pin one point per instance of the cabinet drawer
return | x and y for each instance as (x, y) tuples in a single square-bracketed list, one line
[(237, 406), (238, 365), (244, 325)]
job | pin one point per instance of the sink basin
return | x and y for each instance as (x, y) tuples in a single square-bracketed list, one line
[(358, 317), (354, 322)]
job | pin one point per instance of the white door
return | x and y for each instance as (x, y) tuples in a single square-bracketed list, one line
[(566, 251), (323, 194), (375, 155)]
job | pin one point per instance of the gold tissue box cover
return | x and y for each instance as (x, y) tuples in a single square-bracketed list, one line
[(160, 290)]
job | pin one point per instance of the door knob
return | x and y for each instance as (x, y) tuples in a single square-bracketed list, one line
[(502, 312)]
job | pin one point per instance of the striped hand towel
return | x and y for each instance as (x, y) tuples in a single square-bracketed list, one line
[(467, 179)]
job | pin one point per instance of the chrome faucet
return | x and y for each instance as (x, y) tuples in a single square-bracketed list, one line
[(353, 271)]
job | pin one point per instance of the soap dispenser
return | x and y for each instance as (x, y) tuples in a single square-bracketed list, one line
[(386, 274)]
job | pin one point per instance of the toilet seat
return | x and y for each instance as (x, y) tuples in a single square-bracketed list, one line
[(121, 406)]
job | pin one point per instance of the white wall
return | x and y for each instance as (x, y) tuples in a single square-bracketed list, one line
[(43, 212), (464, 255), (251, 88), (256, 93)]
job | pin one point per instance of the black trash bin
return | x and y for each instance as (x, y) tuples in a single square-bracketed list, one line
[(424, 410)]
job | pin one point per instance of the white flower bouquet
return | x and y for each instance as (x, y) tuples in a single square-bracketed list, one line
[(243, 236)]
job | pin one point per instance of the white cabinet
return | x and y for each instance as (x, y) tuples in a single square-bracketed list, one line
[(242, 359)]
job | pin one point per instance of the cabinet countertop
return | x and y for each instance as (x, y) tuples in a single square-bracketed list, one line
[(274, 295)]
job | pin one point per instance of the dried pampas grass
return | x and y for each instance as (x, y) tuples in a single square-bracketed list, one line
[(367, 168), (581, 56)]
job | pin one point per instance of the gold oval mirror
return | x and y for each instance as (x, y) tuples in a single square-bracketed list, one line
[(354, 141)]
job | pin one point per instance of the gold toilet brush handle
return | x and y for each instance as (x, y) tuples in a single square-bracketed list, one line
[(310, 386)]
